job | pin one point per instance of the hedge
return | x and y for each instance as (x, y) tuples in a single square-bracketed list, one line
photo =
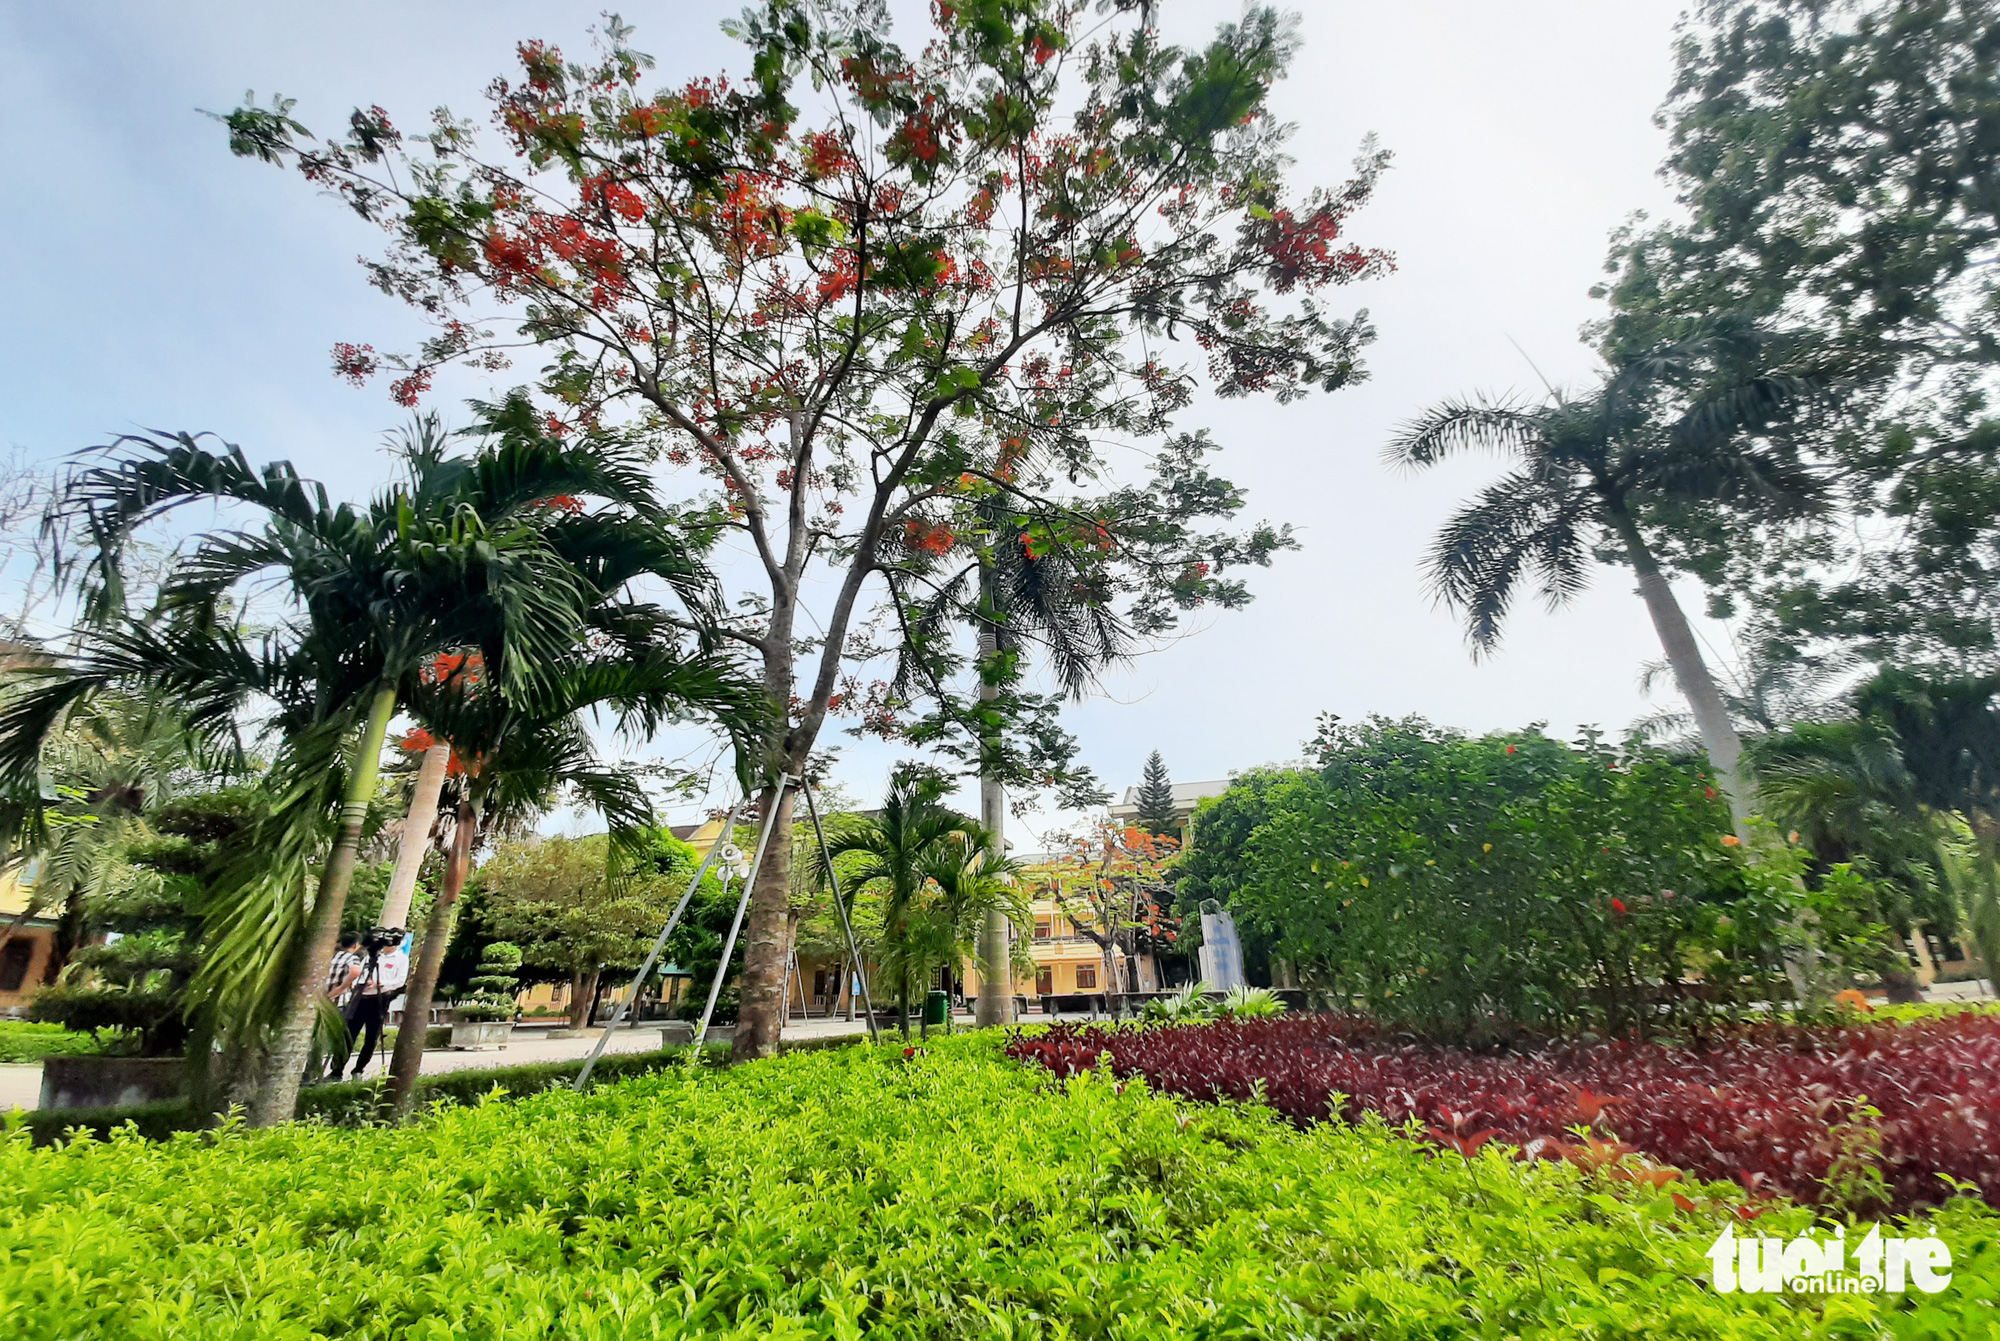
[(25, 1041), (353, 1103), (946, 1193)]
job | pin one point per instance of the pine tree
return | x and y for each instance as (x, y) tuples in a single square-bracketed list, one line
[(1156, 798)]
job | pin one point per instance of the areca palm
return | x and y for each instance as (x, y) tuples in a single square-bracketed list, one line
[(493, 554), (1947, 733), (1592, 475), (512, 763), (898, 854)]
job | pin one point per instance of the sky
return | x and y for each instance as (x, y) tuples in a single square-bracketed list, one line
[(156, 282)]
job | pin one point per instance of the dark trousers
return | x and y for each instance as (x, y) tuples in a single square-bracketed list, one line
[(366, 1015)]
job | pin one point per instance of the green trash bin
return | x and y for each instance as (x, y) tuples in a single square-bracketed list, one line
[(937, 1006)]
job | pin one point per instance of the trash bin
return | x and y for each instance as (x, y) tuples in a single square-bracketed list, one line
[(937, 1006)]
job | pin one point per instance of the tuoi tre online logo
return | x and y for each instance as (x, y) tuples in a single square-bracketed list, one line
[(1759, 1265)]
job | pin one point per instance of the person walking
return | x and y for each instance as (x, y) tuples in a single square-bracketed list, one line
[(384, 973)]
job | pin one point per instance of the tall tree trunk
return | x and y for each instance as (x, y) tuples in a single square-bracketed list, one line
[(761, 987), (407, 1062), (416, 836), (996, 981), (1711, 714), (284, 1067)]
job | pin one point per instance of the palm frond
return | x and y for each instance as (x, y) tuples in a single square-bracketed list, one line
[(1455, 426), (1523, 527)]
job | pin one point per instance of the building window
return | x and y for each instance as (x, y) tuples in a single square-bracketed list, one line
[(1086, 977), (14, 963), (1043, 930), (1045, 981)]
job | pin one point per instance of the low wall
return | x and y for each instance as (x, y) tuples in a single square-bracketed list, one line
[(111, 1082)]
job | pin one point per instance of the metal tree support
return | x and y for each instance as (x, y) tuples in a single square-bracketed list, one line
[(853, 950), (742, 906), (631, 1006)]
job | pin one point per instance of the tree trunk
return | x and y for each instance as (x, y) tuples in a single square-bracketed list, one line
[(284, 1068), (416, 836), (996, 981), (582, 991), (1711, 714), (407, 1062), (760, 990), (1985, 910)]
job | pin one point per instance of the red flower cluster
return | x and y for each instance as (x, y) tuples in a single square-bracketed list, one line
[(1302, 251), (514, 257), (355, 363), (407, 390), (615, 196), (1761, 1106), (928, 538)]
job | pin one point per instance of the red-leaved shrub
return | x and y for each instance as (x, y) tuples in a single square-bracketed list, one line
[(1768, 1106)]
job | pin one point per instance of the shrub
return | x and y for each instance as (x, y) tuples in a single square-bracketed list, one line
[(24, 1041), (855, 1192), (1767, 1106), (493, 985), (1469, 887)]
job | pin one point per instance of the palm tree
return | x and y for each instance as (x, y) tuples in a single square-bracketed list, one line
[(932, 869), (111, 765), (1593, 475), (510, 765), (464, 555), (1946, 729), (1018, 598), (1843, 788)]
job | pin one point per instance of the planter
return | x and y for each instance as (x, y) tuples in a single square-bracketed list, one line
[(111, 1082), (676, 1034), (481, 1033)]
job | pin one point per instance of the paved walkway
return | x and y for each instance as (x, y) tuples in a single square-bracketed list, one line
[(20, 1087)]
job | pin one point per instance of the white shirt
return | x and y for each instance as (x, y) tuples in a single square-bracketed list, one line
[(392, 971)]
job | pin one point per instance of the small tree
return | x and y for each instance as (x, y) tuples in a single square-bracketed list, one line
[(558, 899), (493, 984), (1156, 798), (136, 982), (1115, 885)]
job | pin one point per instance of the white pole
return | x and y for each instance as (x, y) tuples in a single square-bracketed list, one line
[(659, 944), (742, 906)]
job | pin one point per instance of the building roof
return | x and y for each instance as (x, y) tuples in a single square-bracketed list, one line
[(1185, 794)]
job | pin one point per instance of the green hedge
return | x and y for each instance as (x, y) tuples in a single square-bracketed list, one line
[(858, 1192), (24, 1041), (354, 1103)]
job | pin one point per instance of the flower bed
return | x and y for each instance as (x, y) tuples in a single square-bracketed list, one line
[(858, 1192), (1773, 1108)]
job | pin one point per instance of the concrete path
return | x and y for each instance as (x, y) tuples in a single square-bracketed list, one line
[(20, 1087), (533, 1046)]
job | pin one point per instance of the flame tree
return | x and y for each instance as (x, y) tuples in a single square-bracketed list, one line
[(962, 268)]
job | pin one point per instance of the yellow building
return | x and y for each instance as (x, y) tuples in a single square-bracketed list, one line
[(1067, 962), (24, 963)]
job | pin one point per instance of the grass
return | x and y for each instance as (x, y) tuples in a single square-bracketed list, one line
[(948, 1193)]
